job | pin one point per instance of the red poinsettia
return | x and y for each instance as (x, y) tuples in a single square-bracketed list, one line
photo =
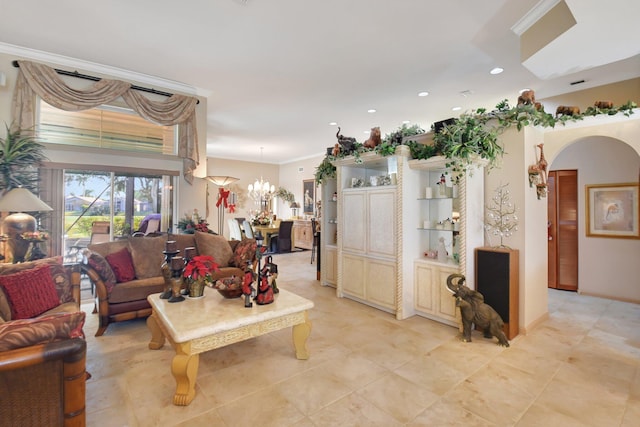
[(200, 266)]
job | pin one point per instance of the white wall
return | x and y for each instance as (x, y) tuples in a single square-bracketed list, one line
[(604, 149), (607, 266)]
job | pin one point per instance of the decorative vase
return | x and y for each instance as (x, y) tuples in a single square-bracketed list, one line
[(196, 287)]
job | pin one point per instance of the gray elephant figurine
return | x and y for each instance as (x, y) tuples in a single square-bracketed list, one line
[(475, 311)]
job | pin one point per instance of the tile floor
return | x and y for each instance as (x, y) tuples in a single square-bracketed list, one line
[(579, 368)]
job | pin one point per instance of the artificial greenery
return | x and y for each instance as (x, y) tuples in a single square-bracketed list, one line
[(325, 170), (20, 156), (471, 137), (285, 195)]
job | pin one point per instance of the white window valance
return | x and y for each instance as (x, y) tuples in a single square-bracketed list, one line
[(39, 79)]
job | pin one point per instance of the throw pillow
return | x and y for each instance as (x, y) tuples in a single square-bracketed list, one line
[(122, 265), (245, 251), (57, 327), (30, 292), (147, 255), (215, 246), (100, 265)]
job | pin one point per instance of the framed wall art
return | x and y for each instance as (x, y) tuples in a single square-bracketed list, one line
[(308, 196), (612, 210)]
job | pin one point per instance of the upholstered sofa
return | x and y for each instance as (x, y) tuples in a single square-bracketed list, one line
[(42, 346), (125, 272)]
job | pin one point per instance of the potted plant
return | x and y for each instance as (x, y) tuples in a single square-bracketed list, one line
[(197, 272), (20, 156)]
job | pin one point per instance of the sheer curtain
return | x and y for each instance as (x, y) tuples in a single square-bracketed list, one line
[(39, 79)]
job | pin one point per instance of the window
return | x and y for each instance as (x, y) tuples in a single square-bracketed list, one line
[(108, 127), (123, 199)]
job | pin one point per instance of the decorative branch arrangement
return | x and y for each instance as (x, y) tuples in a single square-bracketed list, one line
[(501, 219)]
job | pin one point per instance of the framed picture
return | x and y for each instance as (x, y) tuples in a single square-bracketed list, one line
[(612, 210), (308, 196)]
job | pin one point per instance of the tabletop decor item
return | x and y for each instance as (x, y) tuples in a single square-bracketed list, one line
[(189, 224), (229, 287), (177, 266), (197, 273)]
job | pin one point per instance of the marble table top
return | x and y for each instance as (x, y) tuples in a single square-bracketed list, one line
[(212, 314)]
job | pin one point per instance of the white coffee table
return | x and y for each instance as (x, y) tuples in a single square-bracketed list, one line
[(194, 326)]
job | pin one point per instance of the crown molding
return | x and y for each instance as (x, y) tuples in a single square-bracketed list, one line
[(531, 17), (106, 70)]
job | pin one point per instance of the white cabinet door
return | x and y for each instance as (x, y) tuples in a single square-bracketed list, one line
[(381, 227), (330, 266), (431, 297), (354, 216), (380, 286), (424, 288), (353, 275)]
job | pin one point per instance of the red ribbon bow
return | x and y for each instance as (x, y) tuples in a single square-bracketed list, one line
[(232, 207), (223, 195)]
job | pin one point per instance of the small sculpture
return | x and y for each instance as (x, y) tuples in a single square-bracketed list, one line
[(474, 311), (247, 285), (336, 150), (603, 105), (527, 97), (346, 142), (374, 138), (564, 110), (265, 291)]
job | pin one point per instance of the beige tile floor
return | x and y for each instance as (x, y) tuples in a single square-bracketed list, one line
[(579, 368)]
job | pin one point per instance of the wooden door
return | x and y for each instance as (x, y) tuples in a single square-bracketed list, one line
[(563, 229)]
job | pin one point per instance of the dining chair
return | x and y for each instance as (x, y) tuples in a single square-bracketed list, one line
[(248, 231), (281, 241), (234, 230)]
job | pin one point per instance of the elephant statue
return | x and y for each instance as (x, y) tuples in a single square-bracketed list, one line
[(475, 311)]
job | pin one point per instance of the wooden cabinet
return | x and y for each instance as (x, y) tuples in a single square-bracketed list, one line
[(370, 280), (329, 274), (431, 299), (302, 234)]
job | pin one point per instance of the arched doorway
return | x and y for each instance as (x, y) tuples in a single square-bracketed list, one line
[(605, 266)]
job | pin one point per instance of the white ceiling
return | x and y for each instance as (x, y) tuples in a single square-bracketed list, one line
[(277, 72)]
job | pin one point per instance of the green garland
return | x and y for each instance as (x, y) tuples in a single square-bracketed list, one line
[(470, 137)]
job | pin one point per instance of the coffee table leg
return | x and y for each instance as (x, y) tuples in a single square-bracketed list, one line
[(184, 368), (300, 334), (157, 337)]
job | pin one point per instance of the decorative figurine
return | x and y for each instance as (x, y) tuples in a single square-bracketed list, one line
[(247, 288), (475, 311), (265, 291)]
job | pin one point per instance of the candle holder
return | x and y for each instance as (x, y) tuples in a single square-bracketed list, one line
[(177, 266), (167, 273)]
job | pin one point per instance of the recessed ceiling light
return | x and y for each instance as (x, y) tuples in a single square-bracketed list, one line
[(333, 124), (406, 122), (496, 70), (456, 109), (423, 93), (371, 110)]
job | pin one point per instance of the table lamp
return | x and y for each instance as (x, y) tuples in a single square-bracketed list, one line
[(294, 209), (20, 200)]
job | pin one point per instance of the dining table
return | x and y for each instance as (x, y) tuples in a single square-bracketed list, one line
[(266, 231)]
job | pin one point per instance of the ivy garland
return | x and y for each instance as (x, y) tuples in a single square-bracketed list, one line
[(470, 137)]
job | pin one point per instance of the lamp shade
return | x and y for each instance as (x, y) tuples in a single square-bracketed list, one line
[(22, 200), (222, 180)]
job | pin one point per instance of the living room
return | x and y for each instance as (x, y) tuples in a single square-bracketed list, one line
[(348, 368)]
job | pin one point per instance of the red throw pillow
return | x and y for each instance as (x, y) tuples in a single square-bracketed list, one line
[(122, 265), (245, 251), (30, 292)]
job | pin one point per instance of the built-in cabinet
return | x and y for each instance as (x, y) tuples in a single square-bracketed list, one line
[(388, 224), (329, 233)]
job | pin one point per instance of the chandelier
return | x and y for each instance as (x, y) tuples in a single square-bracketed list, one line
[(261, 191)]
